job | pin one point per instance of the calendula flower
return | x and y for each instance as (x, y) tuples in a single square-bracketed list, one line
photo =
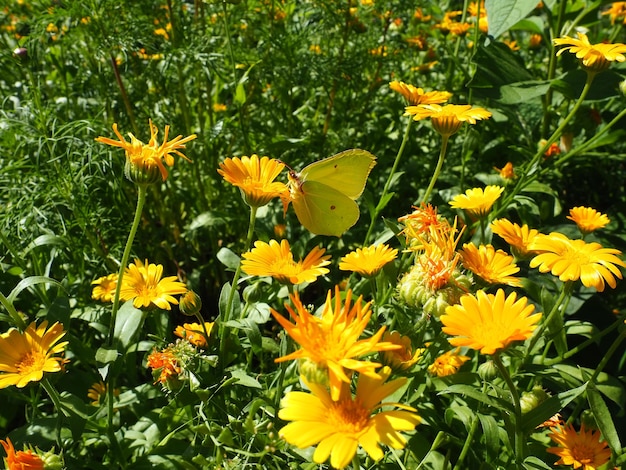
[(142, 160), (339, 426), (477, 201), (415, 96), (447, 119), (404, 357), (447, 21), (448, 363), (255, 177), (588, 219), (580, 450), (507, 172), (145, 285), (491, 265), (535, 41), (165, 364), (25, 356), (518, 237), (489, 323), (276, 260), (104, 288), (98, 392), (332, 339), (594, 57), (571, 260), (368, 261), (617, 11), (22, 459), (420, 222), (194, 333), (190, 304)]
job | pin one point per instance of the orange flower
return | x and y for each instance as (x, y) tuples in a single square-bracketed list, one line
[(22, 459)]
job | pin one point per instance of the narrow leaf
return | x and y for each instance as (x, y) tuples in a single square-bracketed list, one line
[(603, 418)]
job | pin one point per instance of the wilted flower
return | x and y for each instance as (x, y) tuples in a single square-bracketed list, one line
[(22, 459), (518, 237), (415, 96), (491, 265), (404, 357)]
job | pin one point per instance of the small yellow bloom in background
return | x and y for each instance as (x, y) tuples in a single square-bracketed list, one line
[(420, 16), (24, 357), (489, 323), (403, 358), (519, 238), (415, 96), (448, 363), (98, 392), (276, 260), (588, 219), (104, 288), (142, 160), (491, 265), (535, 41), (219, 107), (447, 119), (617, 11), (22, 459), (315, 49), (368, 261), (477, 201), (571, 260), (593, 57), (507, 172), (339, 426), (512, 44), (144, 284), (581, 450), (255, 177), (194, 333)]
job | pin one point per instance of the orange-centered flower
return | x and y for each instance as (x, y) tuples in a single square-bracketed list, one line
[(594, 57)]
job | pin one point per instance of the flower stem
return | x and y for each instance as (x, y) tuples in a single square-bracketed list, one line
[(13, 313), (442, 154), (519, 433)]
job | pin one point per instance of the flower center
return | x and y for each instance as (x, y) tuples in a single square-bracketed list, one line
[(349, 416), (31, 362), (583, 453)]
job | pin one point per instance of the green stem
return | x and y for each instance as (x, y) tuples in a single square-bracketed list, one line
[(433, 180), (124, 94), (566, 291), (13, 313), (467, 444), (519, 433), (607, 356)]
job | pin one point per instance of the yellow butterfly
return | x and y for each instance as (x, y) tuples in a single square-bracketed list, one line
[(324, 193)]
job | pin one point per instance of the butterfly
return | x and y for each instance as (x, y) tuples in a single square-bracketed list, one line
[(324, 193)]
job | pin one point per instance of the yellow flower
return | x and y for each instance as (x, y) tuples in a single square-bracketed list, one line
[(491, 265), (104, 288), (507, 172), (145, 286), (581, 450), (417, 96), (448, 363), (255, 178), (368, 261), (449, 118), (98, 391), (571, 260), (518, 237), (144, 159), (594, 57), (488, 322), (617, 11), (194, 333), (339, 426), (22, 459), (535, 41), (404, 357), (24, 357), (276, 260), (332, 339), (420, 223), (219, 107), (588, 219), (165, 364), (477, 201)]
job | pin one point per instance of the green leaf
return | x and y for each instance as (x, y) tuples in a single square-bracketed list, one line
[(491, 435), (549, 408), (523, 92), (223, 303), (534, 24), (472, 392), (29, 282), (604, 86), (244, 379), (106, 356), (206, 219), (127, 323), (228, 258), (603, 417), (533, 463), (503, 14)]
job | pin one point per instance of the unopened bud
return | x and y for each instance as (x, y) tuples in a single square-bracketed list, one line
[(190, 304)]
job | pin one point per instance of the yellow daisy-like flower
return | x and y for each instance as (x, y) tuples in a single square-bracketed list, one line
[(145, 285), (477, 201), (368, 261), (194, 333), (404, 357), (339, 426), (98, 392), (144, 159), (417, 96), (448, 363), (491, 265), (22, 459), (582, 450), (571, 260), (104, 288), (518, 237), (594, 57), (24, 357), (507, 172), (332, 339), (588, 219), (489, 323), (276, 260), (255, 177), (449, 118), (617, 11)]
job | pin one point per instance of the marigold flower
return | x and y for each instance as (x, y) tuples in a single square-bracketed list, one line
[(332, 339), (419, 223), (254, 177), (448, 363), (449, 118), (276, 260), (144, 284), (402, 358), (142, 160), (368, 261), (588, 219), (518, 237), (489, 323), (416, 96), (581, 450), (594, 57), (507, 172), (165, 364), (477, 201), (617, 11), (571, 260), (339, 426), (194, 333), (22, 459), (104, 288), (535, 41), (98, 391), (24, 357), (491, 265)]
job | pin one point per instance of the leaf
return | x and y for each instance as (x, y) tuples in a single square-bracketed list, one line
[(29, 282), (468, 390), (128, 321), (106, 356), (534, 24), (523, 92), (206, 219), (549, 408), (503, 14), (228, 258), (533, 463), (604, 86), (244, 379), (603, 417), (491, 435), (235, 308)]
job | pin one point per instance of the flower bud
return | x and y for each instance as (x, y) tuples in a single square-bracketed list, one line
[(487, 371), (313, 372), (190, 304), (531, 400), (142, 175), (622, 87)]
